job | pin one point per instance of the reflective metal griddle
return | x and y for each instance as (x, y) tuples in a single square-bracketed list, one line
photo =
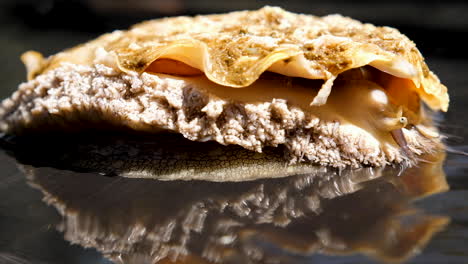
[(62, 199)]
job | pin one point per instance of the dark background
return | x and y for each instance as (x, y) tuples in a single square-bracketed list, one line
[(439, 29), (48, 26)]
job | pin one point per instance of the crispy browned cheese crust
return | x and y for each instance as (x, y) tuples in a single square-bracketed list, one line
[(234, 49)]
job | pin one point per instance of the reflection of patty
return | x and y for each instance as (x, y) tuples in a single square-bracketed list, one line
[(338, 133), (141, 221)]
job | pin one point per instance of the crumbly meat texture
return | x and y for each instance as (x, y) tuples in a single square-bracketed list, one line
[(75, 95)]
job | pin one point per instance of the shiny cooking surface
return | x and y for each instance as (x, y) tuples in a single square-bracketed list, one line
[(50, 214)]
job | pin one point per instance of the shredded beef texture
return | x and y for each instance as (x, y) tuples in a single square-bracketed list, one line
[(74, 96)]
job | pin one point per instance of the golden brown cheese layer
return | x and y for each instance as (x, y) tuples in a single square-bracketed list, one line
[(234, 49)]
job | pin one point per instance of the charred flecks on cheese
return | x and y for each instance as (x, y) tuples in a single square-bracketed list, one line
[(332, 90)]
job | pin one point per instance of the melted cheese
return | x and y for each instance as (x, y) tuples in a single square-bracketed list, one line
[(361, 103)]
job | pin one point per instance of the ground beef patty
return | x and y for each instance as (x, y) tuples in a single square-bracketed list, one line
[(76, 96)]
